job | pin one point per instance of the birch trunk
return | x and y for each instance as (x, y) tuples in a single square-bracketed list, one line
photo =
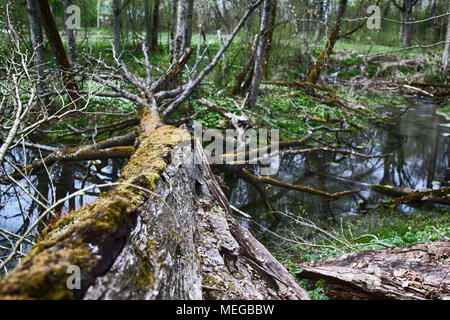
[(173, 26), (407, 36), (258, 69), (180, 40), (445, 58), (70, 35)]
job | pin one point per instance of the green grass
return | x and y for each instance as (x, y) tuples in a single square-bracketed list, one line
[(445, 110), (389, 225), (274, 110)]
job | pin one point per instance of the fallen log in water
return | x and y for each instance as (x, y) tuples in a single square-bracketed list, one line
[(166, 233), (401, 195), (419, 271)]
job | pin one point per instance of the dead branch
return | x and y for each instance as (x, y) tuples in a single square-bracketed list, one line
[(277, 183), (441, 195)]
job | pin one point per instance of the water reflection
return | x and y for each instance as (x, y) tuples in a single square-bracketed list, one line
[(420, 145), (18, 209)]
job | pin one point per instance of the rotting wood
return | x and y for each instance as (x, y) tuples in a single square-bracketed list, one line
[(418, 272)]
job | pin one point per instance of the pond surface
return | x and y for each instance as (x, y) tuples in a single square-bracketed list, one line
[(17, 208), (419, 141)]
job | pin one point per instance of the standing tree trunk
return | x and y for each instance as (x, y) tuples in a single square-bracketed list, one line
[(116, 26), (57, 47), (319, 17), (314, 75), (173, 22), (445, 58), (190, 21), (37, 43), (406, 11), (155, 27), (257, 74), (148, 23), (180, 41), (99, 4), (401, 32), (270, 31), (70, 35), (407, 35)]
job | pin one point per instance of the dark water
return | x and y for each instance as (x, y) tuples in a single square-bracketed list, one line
[(18, 209), (419, 141)]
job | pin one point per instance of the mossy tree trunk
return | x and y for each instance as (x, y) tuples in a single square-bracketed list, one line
[(314, 75), (166, 233)]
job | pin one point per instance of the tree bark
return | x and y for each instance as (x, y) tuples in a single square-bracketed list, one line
[(116, 27), (445, 57), (70, 35), (155, 27), (53, 36), (258, 68), (418, 272), (270, 32), (319, 17), (57, 47), (333, 37), (189, 22), (180, 40), (37, 42), (173, 26), (401, 32)]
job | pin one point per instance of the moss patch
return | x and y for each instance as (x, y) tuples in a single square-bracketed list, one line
[(90, 237)]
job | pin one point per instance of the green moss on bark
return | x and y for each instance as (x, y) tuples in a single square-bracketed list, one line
[(84, 237)]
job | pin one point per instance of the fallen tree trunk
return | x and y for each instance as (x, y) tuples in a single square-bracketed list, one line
[(405, 195), (165, 232), (419, 271)]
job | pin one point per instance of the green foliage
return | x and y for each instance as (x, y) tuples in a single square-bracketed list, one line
[(445, 110), (391, 227), (351, 62), (349, 74), (372, 99)]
